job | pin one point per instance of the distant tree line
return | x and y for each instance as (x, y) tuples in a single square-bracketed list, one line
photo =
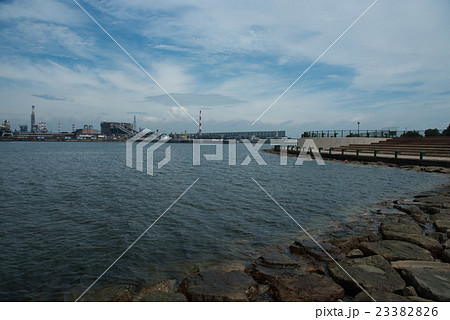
[(428, 133)]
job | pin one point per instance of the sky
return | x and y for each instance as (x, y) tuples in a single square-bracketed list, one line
[(231, 59)]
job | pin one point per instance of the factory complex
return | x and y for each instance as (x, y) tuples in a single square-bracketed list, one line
[(114, 131)]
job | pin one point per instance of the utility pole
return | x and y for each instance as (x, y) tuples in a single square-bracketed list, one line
[(358, 128)]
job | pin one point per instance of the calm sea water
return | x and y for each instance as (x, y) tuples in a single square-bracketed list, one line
[(68, 210)]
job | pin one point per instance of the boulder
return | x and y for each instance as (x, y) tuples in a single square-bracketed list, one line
[(410, 292), (277, 260), (404, 227), (309, 263), (447, 244), (438, 236), (312, 249), (264, 295), (381, 296), (415, 212), (268, 275), (217, 285), (275, 265), (422, 241), (113, 293), (442, 226), (372, 273), (347, 244), (433, 284), (393, 250), (163, 291), (227, 266), (311, 287), (159, 296), (440, 216), (390, 212), (445, 257), (435, 199), (430, 209), (404, 264), (355, 253)]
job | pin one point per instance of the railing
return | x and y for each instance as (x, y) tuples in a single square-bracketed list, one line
[(363, 133)]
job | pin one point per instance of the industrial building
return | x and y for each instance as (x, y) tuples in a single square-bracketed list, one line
[(117, 129), (245, 135), (5, 129), (87, 129)]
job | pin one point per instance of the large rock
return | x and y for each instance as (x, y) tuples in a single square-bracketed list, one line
[(442, 226), (438, 236), (277, 260), (415, 212), (227, 266), (446, 255), (404, 227), (433, 284), (372, 273), (390, 212), (268, 275), (436, 199), (393, 250), (217, 285), (350, 243), (275, 265), (441, 216), (113, 293), (405, 264), (163, 291), (355, 253), (381, 296), (311, 287), (431, 209), (422, 241), (312, 249)]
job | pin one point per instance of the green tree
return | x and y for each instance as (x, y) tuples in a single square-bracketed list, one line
[(432, 133), (411, 134), (446, 131)]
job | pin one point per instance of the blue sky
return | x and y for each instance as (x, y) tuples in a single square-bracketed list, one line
[(231, 59)]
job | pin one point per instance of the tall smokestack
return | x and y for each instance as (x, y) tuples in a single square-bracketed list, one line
[(134, 124), (200, 123), (33, 120)]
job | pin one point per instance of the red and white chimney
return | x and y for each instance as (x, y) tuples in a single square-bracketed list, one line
[(200, 123)]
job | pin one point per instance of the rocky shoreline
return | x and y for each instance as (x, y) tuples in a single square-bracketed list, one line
[(403, 254)]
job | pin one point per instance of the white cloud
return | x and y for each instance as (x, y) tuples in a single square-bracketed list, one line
[(50, 11), (392, 64)]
